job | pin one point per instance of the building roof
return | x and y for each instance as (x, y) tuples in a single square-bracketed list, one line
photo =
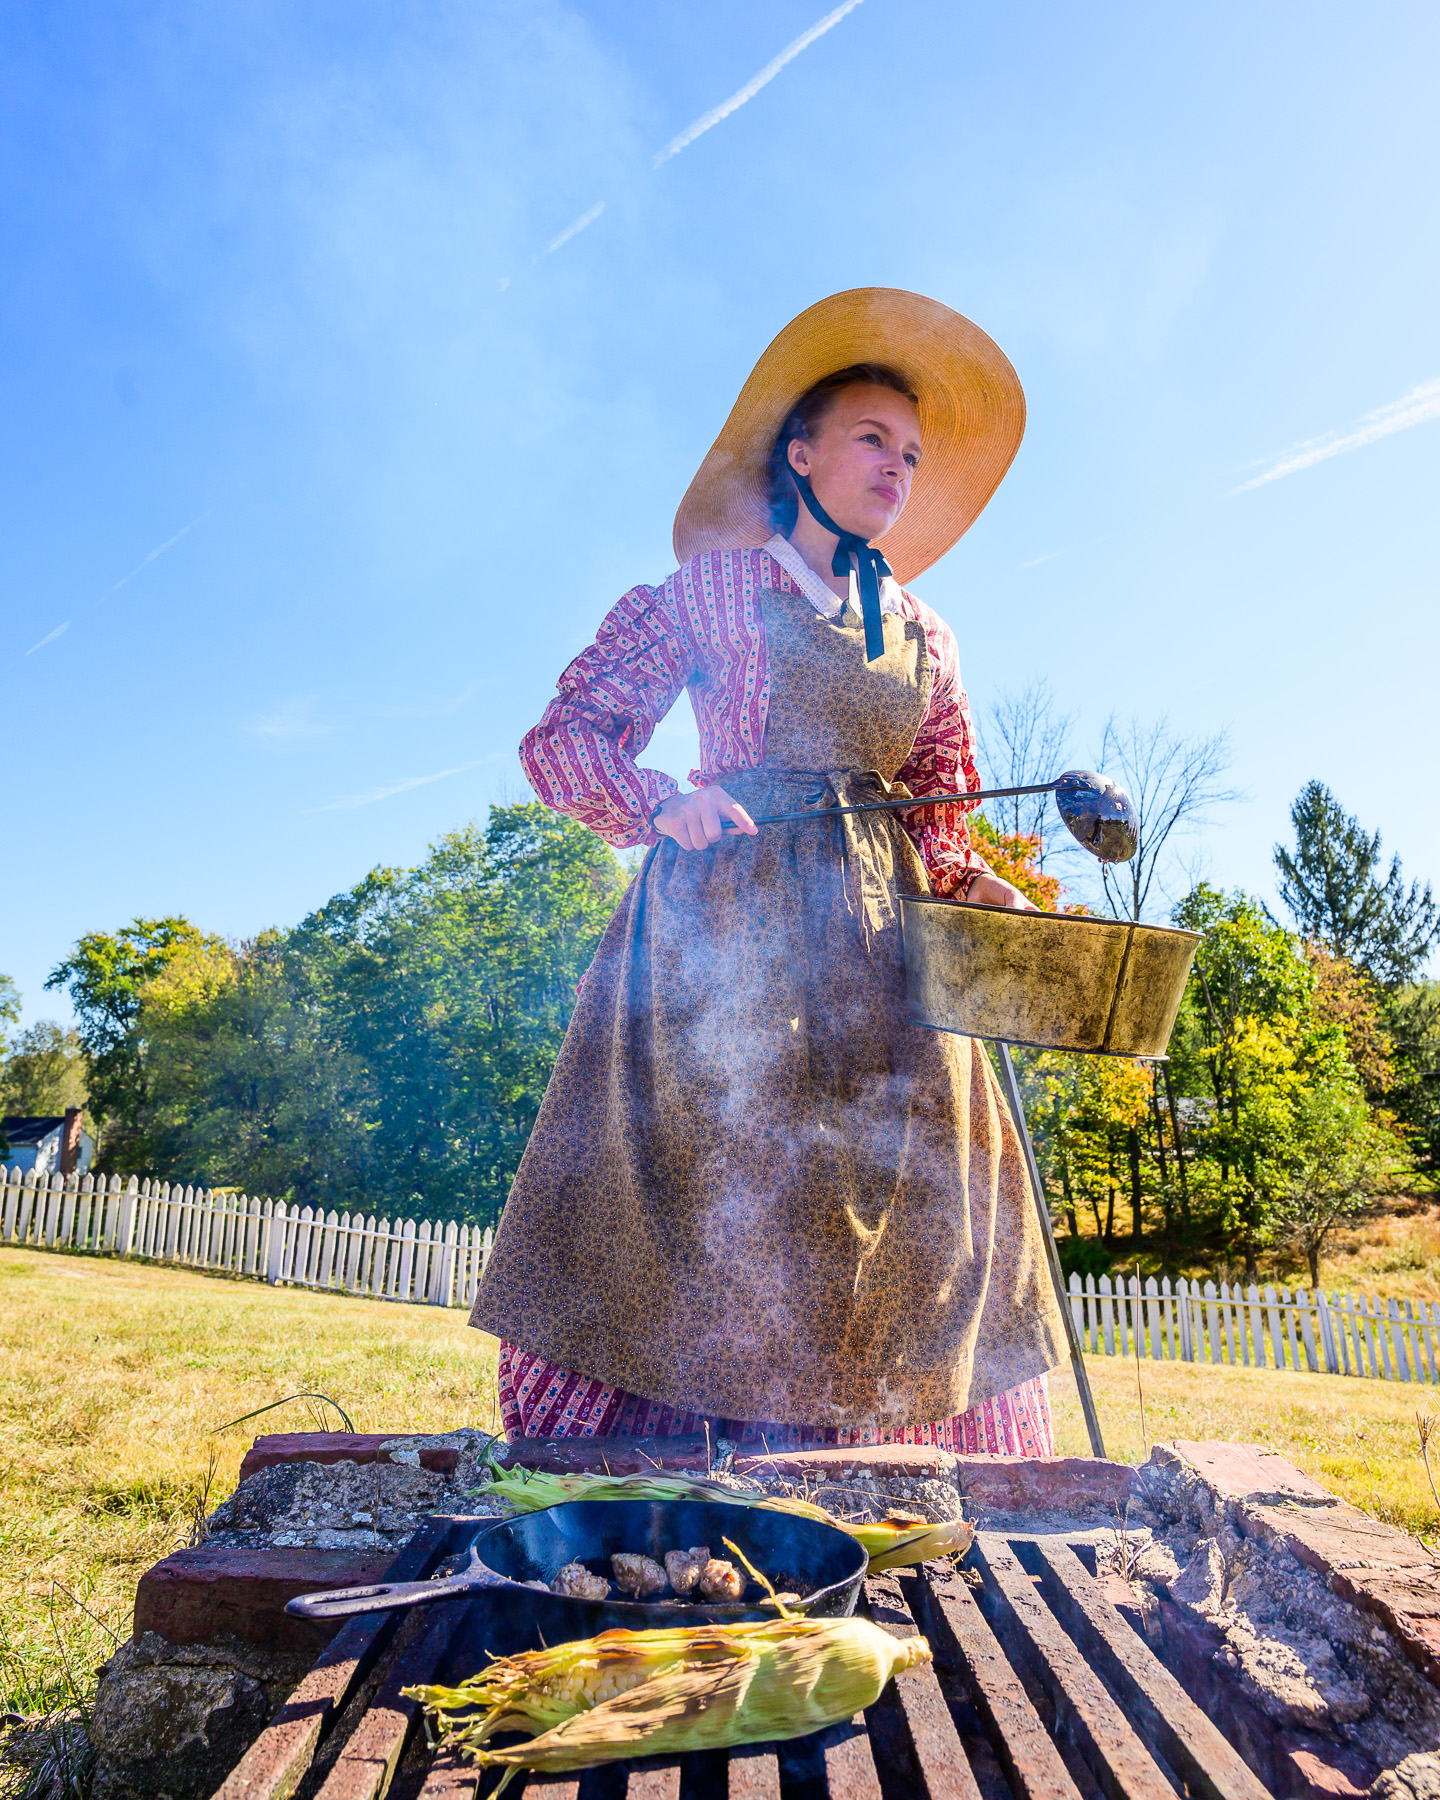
[(30, 1131)]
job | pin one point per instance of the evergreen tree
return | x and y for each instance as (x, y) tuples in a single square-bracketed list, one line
[(1333, 891)]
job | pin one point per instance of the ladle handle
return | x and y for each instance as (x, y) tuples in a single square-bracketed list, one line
[(832, 812), (394, 1596)]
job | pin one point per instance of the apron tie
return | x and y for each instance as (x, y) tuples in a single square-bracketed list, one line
[(870, 565)]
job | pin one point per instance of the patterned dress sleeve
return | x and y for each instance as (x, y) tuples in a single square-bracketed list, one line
[(581, 757), (943, 762)]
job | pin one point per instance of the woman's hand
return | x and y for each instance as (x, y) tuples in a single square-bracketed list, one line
[(990, 890), (693, 820)]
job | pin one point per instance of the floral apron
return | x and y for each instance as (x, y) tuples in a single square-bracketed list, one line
[(756, 1190)]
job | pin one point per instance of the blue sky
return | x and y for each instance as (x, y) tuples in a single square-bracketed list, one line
[(319, 462)]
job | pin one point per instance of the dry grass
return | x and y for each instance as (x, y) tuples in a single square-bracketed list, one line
[(1358, 1437), (113, 1377), (1397, 1252)]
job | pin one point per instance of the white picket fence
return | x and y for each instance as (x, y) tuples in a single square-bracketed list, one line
[(394, 1259), (1394, 1340)]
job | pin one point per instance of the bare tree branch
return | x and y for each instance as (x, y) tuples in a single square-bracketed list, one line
[(1024, 742), (1174, 782)]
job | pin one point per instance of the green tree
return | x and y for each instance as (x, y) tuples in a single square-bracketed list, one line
[(1339, 1158), (9, 1002), (1247, 1033), (44, 1072), (1332, 890), (1413, 1021), (392, 1050), (105, 976)]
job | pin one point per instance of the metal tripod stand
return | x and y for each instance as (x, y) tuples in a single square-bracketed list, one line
[(1077, 1359)]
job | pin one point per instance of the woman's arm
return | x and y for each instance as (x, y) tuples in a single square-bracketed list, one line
[(580, 758), (943, 762)]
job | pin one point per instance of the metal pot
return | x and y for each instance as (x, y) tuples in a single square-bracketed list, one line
[(821, 1562), (1058, 981)]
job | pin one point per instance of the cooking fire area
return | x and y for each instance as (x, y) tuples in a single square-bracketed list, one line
[(1212, 1623)]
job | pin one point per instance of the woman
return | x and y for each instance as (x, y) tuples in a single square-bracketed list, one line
[(757, 1197)]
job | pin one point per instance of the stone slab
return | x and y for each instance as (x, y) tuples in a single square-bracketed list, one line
[(206, 1594), (1247, 1472), (917, 1462), (1061, 1484), (1406, 1604), (607, 1455), (1336, 1537), (345, 1446)]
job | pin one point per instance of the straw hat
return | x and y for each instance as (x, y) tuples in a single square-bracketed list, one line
[(972, 417)]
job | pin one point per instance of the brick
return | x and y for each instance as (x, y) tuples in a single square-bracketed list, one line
[(607, 1456), (205, 1594), (1246, 1472), (342, 1446), (883, 1461), (1030, 1484)]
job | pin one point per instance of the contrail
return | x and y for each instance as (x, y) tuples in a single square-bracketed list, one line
[(564, 237), (159, 550), (350, 801), (753, 86), (50, 639), (1417, 407)]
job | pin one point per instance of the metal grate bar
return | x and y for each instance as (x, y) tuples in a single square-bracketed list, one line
[(958, 1632), (940, 1769), (1086, 1716), (754, 1774), (1168, 1719), (277, 1761), (372, 1752)]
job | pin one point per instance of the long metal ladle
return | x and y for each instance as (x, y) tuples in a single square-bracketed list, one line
[(1096, 811)]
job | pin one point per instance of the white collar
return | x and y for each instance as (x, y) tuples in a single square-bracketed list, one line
[(829, 605)]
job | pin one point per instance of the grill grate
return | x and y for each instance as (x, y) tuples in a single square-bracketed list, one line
[(1040, 1690)]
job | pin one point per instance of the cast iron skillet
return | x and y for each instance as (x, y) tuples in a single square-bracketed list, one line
[(820, 1562)]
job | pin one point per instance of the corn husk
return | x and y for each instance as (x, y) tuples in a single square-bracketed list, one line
[(892, 1544), (649, 1693)]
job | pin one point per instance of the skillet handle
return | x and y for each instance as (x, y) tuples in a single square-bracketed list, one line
[(395, 1596)]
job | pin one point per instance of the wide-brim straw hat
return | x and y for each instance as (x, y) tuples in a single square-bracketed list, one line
[(972, 417)]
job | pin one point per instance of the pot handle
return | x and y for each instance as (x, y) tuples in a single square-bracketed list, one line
[(394, 1596)]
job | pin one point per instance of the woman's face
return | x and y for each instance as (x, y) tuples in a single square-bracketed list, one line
[(861, 458)]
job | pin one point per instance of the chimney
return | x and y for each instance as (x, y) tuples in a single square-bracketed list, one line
[(70, 1140)]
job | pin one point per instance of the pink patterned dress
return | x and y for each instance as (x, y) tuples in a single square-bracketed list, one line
[(702, 629)]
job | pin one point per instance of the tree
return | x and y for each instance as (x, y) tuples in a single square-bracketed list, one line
[(1088, 1111), (1413, 1021), (1248, 1033), (1347, 997), (391, 1051), (1341, 1157), (9, 1002), (45, 1071), (1332, 891), (1024, 743), (1173, 782), (105, 975)]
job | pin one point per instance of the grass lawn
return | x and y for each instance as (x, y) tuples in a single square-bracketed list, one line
[(113, 1377)]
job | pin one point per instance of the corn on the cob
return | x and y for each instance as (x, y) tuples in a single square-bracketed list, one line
[(644, 1693), (892, 1544)]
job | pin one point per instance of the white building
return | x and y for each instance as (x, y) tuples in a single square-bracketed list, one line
[(39, 1144)]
